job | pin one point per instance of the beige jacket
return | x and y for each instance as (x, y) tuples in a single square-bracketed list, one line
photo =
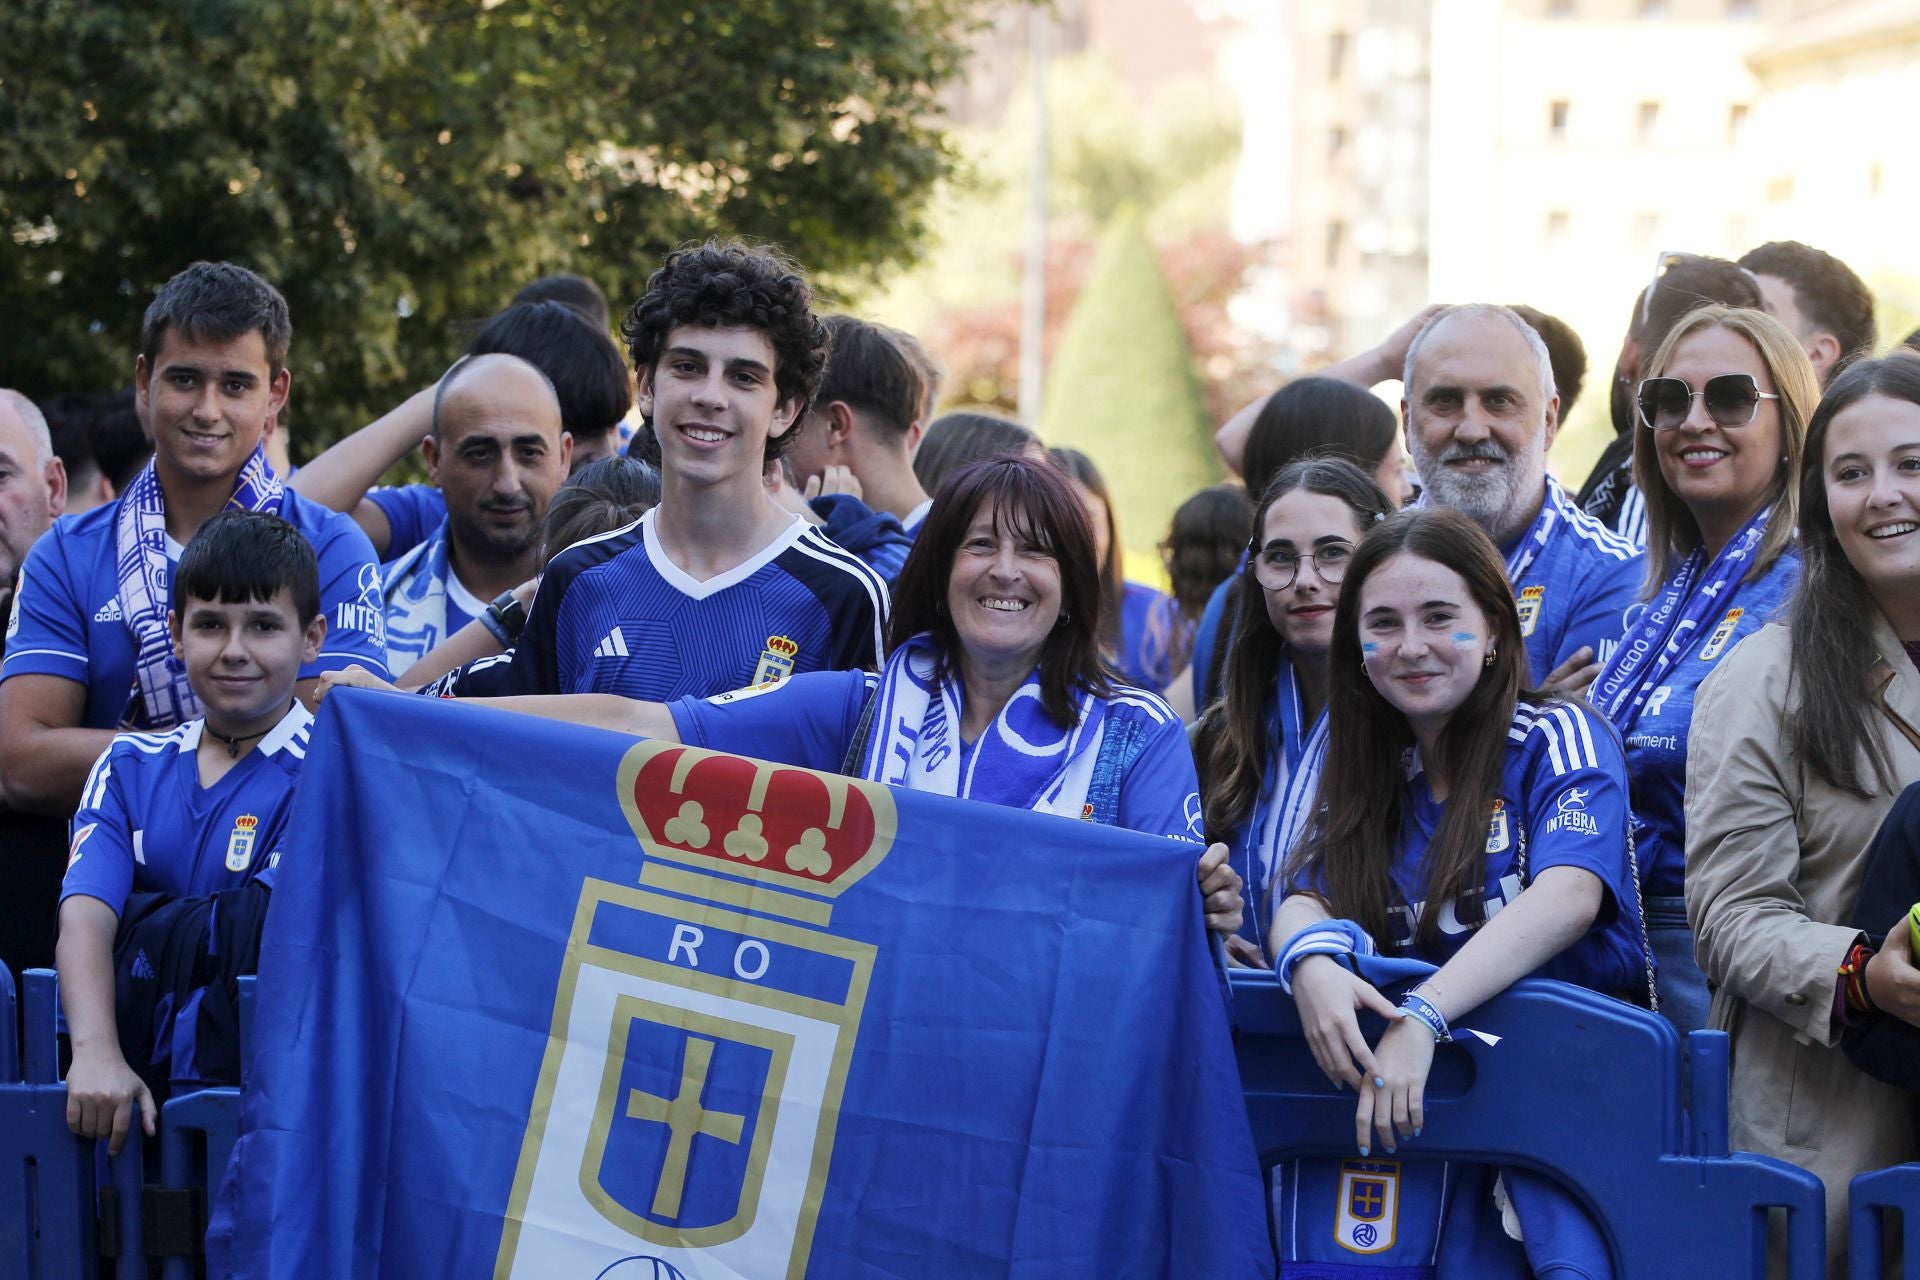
[(1774, 858)]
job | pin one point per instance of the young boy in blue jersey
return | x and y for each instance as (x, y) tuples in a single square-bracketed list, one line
[(88, 650), (717, 587), (178, 833)]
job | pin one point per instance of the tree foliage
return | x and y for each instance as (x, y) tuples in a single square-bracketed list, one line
[(398, 167), (1122, 387)]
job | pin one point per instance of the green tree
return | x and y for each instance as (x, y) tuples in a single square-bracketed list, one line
[(400, 167), (1122, 387)]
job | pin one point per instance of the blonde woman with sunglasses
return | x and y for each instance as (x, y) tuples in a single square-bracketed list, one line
[(1721, 420)]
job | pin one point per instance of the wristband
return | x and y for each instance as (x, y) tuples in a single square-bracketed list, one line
[(1853, 971), (1309, 942), (505, 619), (1413, 1005)]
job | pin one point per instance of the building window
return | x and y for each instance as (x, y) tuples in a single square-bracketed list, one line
[(1558, 221), (1736, 122), (1646, 120), (1336, 56), (1336, 241), (1557, 120), (1646, 228)]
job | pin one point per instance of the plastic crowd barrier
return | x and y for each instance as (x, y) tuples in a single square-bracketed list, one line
[(54, 1223), (1869, 1199), (1579, 1087)]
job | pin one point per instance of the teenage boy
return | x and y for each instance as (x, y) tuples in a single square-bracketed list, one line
[(87, 646), (717, 587), (177, 838)]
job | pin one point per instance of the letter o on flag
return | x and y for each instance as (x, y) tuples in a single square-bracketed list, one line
[(741, 959)]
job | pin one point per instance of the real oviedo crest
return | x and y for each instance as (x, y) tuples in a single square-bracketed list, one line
[(703, 1027)]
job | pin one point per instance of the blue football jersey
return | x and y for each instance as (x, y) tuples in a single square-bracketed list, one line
[(145, 823), (1657, 739), (413, 512), (1562, 802), (615, 615), (1575, 589), (810, 720), (68, 621)]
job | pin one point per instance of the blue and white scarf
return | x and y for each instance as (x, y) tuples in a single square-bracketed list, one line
[(1023, 760), (414, 589), (1664, 633), (1554, 512), (161, 697), (1286, 741)]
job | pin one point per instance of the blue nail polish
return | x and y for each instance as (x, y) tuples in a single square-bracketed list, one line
[(1366, 1151), (1378, 1083), (1416, 1133), (1389, 1150)]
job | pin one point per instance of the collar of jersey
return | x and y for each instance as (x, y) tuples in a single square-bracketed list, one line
[(683, 582), (296, 719)]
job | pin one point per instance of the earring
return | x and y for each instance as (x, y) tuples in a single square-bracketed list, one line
[(1491, 655)]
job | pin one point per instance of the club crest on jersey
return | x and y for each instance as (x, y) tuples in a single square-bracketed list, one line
[(1529, 605), (240, 843), (1369, 1206), (776, 660), (1717, 642), (1498, 834), (703, 1027)]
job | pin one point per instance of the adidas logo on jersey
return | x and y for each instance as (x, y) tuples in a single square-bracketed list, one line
[(142, 967), (614, 646), (110, 611)]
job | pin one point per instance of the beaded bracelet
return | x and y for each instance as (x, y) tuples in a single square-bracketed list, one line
[(1414, 1005)]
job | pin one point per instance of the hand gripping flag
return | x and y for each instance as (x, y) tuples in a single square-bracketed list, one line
[(543, 1001)]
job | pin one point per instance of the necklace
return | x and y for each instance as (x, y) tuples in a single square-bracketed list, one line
[(233, 744)]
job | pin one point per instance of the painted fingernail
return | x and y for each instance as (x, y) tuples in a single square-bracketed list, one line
[(1366, 1151), (1389, 1150), (1416, 1133), (1378, 1083)]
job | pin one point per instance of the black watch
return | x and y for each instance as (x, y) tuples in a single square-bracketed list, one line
[(508, 618)]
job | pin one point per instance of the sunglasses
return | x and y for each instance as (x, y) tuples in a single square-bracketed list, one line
[(1732, 400)]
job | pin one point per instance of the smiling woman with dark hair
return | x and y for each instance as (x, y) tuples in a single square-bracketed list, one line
[(1816, 731), (994, 689)]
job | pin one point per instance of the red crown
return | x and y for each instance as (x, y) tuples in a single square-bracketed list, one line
[(246, 822), (782, 646), (816, 832)]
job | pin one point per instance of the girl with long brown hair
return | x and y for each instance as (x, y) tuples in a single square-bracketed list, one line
[(1462, 819)]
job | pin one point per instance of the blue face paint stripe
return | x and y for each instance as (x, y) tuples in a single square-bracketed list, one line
[(1464, 637)]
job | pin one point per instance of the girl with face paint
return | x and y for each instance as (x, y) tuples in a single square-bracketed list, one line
[(1463, 820)]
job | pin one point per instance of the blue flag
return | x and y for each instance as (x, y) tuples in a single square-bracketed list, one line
[(538, 1000)]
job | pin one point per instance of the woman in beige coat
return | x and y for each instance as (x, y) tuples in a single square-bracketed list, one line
[(1816, 727)]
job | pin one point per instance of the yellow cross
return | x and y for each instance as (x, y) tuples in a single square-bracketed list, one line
[(685, 1119), (1367, 1200)]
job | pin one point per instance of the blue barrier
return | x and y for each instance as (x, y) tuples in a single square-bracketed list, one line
[(1582, 1088), (1869, 1198), (9, 1029)]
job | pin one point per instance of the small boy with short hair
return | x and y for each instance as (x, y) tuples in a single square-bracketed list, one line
[(178, 833)]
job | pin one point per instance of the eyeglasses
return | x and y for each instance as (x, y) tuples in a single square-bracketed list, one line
[(1732, 399), (1275, 569)]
